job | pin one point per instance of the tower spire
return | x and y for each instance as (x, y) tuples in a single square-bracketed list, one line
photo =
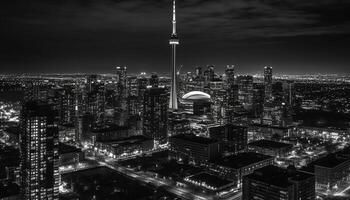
[(174, 17), (174, 41)]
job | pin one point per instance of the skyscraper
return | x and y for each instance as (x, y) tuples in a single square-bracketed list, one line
[(39, 152), (121, 81), (230, 93), (174, 41), (155, 113), (268, 83), (245, 91), (121, 98)]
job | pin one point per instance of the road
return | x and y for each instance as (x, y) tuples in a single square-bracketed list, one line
[(148, 178), (166, 184)]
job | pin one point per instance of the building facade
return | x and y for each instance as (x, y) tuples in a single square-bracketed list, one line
[(39, 152)]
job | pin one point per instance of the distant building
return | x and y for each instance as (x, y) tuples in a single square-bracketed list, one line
[(274, 183), (234, 167), (271, 148), (110, 133), (258, 99), (261, 131), (39, 152), (154, 80), (245, 91), (232, 138), (94, 99), (178, 123), (268, 83), (231, 93), (194, 149), (83, 128), (126, 146)]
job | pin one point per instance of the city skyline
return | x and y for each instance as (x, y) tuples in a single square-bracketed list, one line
[(294, 37), (99, 101)]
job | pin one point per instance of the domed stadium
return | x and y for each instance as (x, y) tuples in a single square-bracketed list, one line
[(196, 102), (196, 95)]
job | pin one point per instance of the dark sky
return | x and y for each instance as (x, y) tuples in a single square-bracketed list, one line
[(94, 36)]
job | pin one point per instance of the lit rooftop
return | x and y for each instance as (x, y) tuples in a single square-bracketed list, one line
[(196, 95)]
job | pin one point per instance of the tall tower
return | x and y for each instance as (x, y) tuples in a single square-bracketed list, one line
[(174, 41)]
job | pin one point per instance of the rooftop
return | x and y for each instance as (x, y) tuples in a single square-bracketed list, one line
[(9, 189), (196, 95), (195, 139), (210, 180), (109, 129), (105, 183), (270, 144), (278, 176), (65, 148), (127, 141), (241, 160), (329, 161)]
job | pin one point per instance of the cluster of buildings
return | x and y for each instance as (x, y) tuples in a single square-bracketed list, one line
[(230, 125)]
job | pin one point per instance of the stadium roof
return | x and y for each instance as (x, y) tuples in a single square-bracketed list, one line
[(196, 95)]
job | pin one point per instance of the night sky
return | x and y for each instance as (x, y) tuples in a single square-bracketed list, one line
[(94, 36)]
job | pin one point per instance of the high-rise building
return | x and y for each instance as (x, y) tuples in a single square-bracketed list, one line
[(121, 100), (155, 114), (154, 80), (91, 80), (210, 73), (268, 83), (36, 90), (94, 99), (245, 91), (230, 94), (199, 72), (39, 152), (230, 74), (121, 75), (258, 99), (64, 100), (174, 41)]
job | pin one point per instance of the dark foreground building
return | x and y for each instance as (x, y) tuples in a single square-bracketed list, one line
[(39, 152), (232, 138), (274, 183), (332, 172), (191, 148)]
